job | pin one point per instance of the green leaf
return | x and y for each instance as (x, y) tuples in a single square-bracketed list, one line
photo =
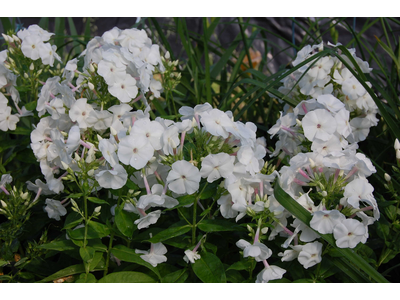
[(218, 225), (209, 268), (240, 265), (125, 221), (169, 233), (353, 260), (97, 200), (72, 220), (127, 277), (95, 230), (126, 254), (86, 253), (5, 21), (176, 277), (89, 278), (71, 270), (59, 246), (3, 263)]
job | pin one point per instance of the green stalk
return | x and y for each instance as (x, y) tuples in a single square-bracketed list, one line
[(111, 242), (194, 223)]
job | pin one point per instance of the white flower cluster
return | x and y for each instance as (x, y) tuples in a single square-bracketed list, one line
[(325, 174), (126, 59), (31, 42), (8, 121)]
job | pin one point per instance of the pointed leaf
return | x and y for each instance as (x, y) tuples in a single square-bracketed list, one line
[(209, 269), (127, 277), (126, 254)]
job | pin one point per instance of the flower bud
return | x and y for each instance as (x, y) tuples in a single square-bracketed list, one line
[(387, 177), (324, 194), (77, 157), (91, 86), (32, 67), (264, 230), (91, 68), (298, 122), (90, 172), (39, 72), (64, 165), (3, 203), (398, 154), (312, 163), (97, 209), (24, 196), (113, 131), (26, 76), (167, 55), (396, 144), (15, 38)]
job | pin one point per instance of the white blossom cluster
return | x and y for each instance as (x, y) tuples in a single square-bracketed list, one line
[(325, 174)]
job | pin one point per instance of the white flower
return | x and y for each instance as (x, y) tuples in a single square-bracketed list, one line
[(147, 220), (135, 150), (319, 124), (7, 120), (55, 209), (257, 250), (79, 112), (151, 130), (215, 166), (359, 190), (270, 273), (349, 233), (191, 256), (124, 88), (310, 254), (324, 221), (30, 46), (112, 179), (108, 151), (216, 122), (155, 255), (184, 178)]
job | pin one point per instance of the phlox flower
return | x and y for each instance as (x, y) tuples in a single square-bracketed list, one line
[(270, 273), (216, 122), (112, 179), (184, 178), (191, 256), (48, 53), (151, 130), (7, 120), (252, 158), (108, 149), (310, 254), (215, 166), (55, 209), (359, 190), (319, 124), (155, 255), (80, 111), (257, 250), (330, 102), (225, 208), (324, 221), (349, 233), (99, 120), (30, 46), (135, 150), (147, 219), (109, 71), (124, 88)]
